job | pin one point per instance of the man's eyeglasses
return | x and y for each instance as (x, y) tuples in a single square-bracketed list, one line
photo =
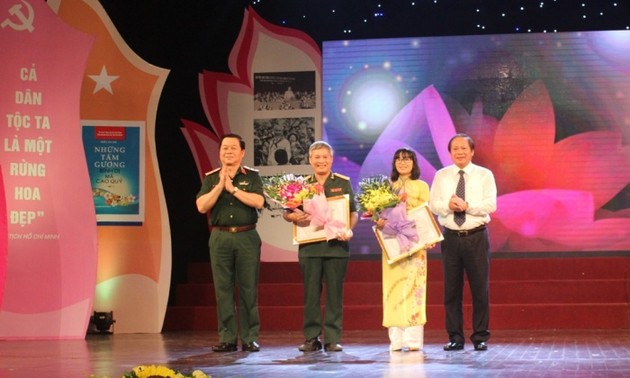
[(405, 159)]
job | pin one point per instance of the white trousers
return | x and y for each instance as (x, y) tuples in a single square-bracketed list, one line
[(410, 338)]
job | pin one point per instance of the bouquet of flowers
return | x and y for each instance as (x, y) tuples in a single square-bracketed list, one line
[(376, 194), (289, 191), (158, 371)]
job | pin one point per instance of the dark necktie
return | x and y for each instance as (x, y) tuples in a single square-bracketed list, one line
[(460, 217)]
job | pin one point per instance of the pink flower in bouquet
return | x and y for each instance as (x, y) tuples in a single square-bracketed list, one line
[(290, 191)]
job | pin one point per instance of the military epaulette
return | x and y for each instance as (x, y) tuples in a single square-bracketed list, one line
[(341, 176), (212, 171), (250, 168)]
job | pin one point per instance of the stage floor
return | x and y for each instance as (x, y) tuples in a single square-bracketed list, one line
[(519, 353)]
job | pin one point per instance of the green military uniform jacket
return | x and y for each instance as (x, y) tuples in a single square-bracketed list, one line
[(229, 211)]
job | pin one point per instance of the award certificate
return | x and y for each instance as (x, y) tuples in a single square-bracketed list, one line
[(428, 233), (338, 211)]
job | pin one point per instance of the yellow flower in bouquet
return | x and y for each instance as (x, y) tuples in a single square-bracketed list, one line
[(376, 194), (289, 191)]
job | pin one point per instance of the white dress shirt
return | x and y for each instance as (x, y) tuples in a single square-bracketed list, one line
[(481, 195)]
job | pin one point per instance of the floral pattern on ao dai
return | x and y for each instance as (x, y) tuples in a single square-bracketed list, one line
[(405, 281)]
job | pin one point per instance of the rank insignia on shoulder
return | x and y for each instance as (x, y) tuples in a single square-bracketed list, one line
[(212, 171), (250, 168), (341, 176)]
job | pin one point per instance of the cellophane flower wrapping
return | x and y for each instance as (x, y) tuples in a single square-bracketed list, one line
[(376, 194), (398, 226), (322, 216), (289, 191)]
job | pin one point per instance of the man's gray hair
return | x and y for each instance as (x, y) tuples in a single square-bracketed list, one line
[(319, 145)]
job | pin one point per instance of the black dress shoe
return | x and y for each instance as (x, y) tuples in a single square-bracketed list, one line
[(453, 346), (224, 347), (251, 347), (311, 345), (481, 346), (330, 347)]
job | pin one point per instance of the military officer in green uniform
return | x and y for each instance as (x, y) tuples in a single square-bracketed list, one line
[(234, 194), (324, 261)]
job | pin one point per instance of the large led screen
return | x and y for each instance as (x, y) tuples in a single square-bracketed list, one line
[(549, 113)]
